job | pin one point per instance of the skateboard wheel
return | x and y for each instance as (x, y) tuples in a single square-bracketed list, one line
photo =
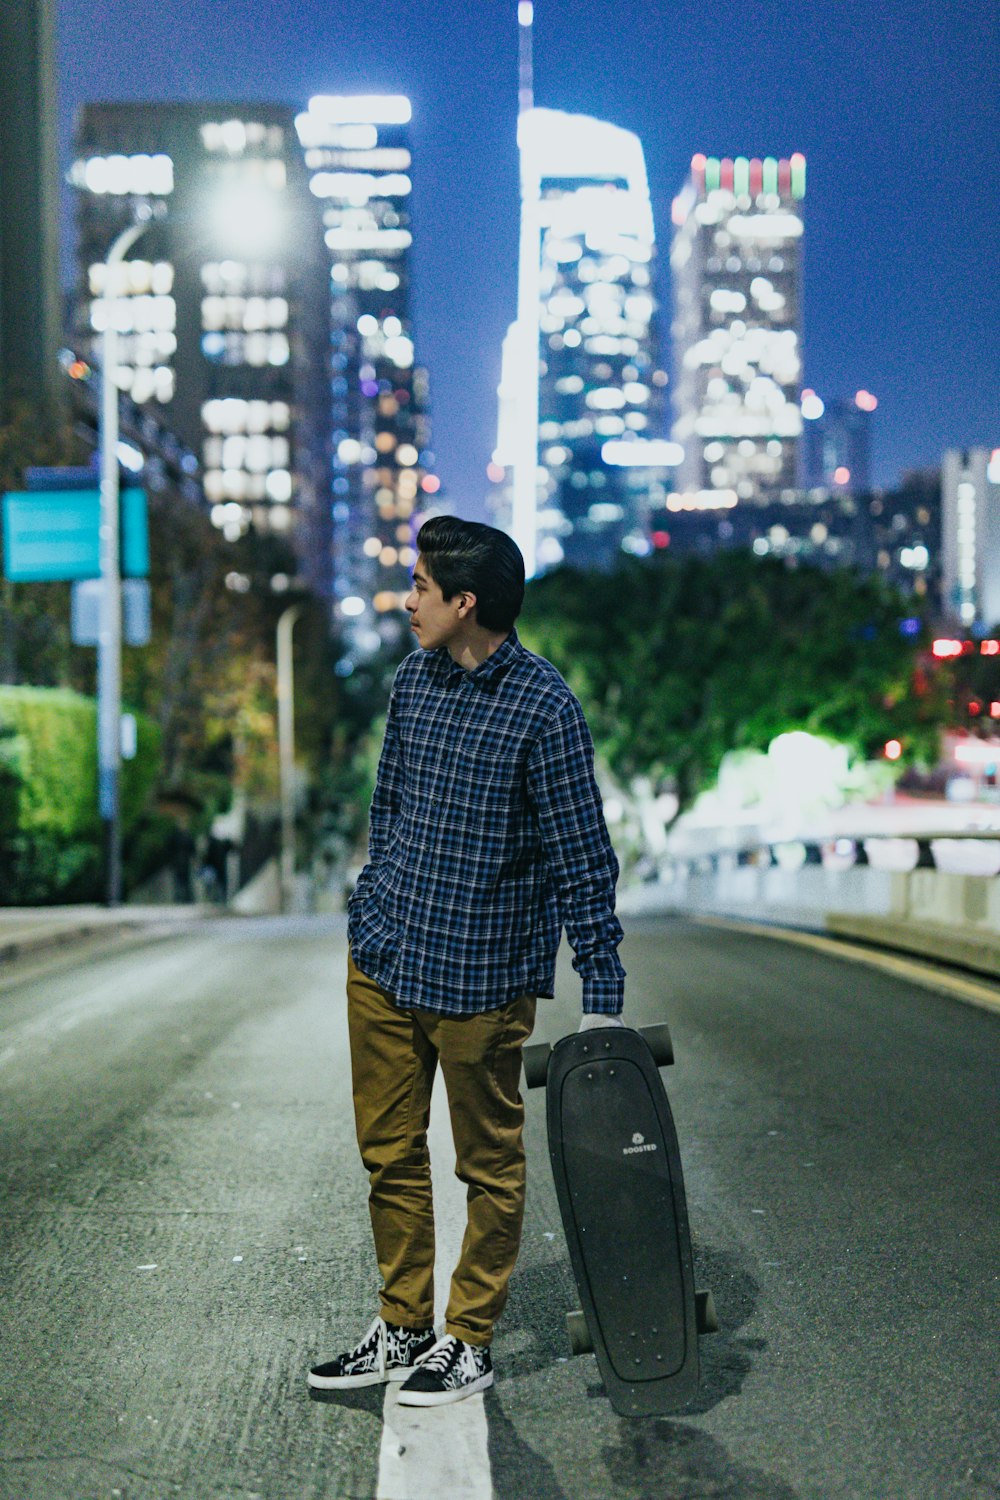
[(579, 1334), (657, 1039), (536, 1064), (705, 1315)]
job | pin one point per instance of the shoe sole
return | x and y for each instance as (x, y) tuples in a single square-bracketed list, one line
[(442, 1398), (354, 1382)]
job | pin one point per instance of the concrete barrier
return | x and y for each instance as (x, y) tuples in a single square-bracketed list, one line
[(932, 913), (952, 918)]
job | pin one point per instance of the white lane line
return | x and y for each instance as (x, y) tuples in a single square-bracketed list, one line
[(918, 973), (436, 1453), (439, 1453)]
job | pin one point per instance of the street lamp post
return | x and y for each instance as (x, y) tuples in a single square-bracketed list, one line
[(109, 640), (286, 749)]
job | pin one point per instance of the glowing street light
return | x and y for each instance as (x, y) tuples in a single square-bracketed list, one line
[(249, 219)]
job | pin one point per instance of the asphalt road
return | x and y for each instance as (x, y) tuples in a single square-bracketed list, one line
[(184, 1230)]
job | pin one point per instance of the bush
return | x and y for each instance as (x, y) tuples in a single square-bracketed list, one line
[(50, 827)]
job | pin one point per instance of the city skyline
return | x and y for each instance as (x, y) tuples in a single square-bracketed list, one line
[(898, 287)]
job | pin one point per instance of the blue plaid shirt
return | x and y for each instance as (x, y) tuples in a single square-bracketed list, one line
[(487, 835)]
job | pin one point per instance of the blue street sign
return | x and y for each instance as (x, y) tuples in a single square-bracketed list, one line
[(55, 535), (61, 479), (134, 534)]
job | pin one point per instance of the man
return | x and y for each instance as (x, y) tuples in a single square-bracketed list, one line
[(487, 835)]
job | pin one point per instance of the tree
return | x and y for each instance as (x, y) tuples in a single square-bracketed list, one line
[(207, 678), (972, 681), (678, 661)]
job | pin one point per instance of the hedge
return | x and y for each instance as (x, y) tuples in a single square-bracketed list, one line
[(50, 827)]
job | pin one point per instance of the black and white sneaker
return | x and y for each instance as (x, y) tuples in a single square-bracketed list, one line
[(448, 1372), (385, 1353)]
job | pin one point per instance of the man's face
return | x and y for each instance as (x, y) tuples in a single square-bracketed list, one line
[(435, 621)]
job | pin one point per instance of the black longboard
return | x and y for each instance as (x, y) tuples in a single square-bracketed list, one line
[(618, 1179)]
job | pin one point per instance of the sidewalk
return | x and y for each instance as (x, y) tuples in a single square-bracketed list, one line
[(32, 929)]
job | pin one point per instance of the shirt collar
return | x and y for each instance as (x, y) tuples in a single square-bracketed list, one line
[(488, 671)]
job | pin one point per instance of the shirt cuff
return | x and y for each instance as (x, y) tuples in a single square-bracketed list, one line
[(604, 994)]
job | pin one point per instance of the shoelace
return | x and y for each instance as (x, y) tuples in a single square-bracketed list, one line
[(441, 1358), (372, 1342)]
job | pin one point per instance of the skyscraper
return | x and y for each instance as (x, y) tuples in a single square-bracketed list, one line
[(736, 262), (30, 299), (358, 156), (904, 531), (579, 368), (222, 306), (836, 443), (970, 536)]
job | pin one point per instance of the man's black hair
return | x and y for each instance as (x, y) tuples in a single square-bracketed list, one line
[(468, 556)]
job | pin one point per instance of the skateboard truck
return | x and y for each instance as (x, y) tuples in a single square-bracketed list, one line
[(617, 1171)]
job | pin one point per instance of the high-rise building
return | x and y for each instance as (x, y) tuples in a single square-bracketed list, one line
[(358, 156), (970, 536), (579, 364), (222, 304), (837, 443), (30, 299), (904, 527), (737, 267)]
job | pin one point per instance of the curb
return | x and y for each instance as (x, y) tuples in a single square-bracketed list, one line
[(19, 947), (918, 970), (978, 951)]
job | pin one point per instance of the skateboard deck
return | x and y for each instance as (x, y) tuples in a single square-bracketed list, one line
[(620, 1188)]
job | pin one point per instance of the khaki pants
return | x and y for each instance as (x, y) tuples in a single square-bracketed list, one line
[(394, 1054)]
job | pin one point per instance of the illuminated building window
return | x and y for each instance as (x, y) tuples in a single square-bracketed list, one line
[(122, 176), (254, 349), (132, 277), (278, 485), (249, 313), (234, 137)]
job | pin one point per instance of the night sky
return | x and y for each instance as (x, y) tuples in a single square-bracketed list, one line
[(895, 105)]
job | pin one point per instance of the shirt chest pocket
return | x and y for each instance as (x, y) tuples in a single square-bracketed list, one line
[(487, 773), (465, 754)]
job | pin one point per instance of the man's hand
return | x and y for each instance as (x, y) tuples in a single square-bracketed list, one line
[(596, 1022)]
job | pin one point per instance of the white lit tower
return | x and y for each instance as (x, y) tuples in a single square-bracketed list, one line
[(970, 536), (737, 275), (357, 153), (578, 364)]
